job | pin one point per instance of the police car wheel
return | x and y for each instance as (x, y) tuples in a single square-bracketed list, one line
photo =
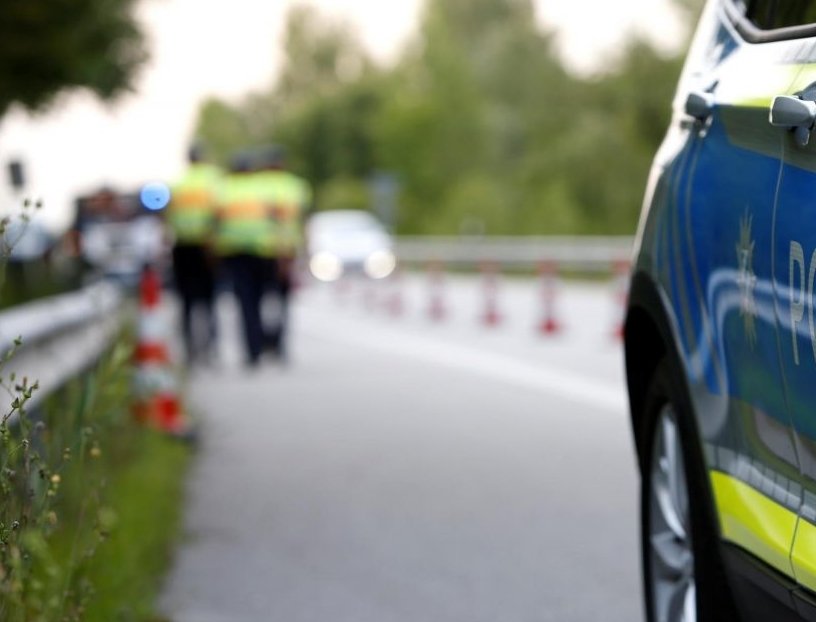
[(684, 580), (671, 558)]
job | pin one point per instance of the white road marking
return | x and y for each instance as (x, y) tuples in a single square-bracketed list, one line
[(593, 393)]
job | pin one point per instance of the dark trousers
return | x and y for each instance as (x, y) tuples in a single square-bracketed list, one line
[(194, 276), (278, 284), (249, 275)]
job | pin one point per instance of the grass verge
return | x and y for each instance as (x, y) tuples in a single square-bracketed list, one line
[(91, 504), (146, 498)]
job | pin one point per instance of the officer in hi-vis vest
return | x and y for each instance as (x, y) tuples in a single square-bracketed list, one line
[(191, 220), (244, 240), (287, 197)]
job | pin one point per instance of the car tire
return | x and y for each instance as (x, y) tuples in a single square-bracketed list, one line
[(683, 575)]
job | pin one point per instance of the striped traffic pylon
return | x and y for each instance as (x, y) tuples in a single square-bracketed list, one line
[(490, 288), (156, 399), (395, 303), (437, 309), (620, 283), (549, 324)]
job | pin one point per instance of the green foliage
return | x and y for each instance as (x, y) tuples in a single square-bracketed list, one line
[(24, 281), (343, 193), (46, 46), (223, 129), (38, 278), (322, 57), (89, 504), (479, 121), (143, 514)]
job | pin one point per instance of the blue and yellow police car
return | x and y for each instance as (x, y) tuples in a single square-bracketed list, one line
[(721, 326)]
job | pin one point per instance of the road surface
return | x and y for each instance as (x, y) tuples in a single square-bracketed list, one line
[(401, 469)]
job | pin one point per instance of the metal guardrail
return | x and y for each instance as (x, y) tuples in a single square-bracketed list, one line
[(64, 335), (584, 253), (61, 335)]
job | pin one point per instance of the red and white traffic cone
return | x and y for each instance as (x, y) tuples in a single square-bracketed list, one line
[(437, 310), (549, 324), (156, 400), (490, 288), (620, 271)]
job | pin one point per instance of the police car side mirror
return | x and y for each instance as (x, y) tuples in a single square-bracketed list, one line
[(794, 113), (699, 105), (791, 112)]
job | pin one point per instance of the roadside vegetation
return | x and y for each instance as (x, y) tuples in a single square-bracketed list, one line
[(479, 121), (49, 47), (26, 279), (90, 501)]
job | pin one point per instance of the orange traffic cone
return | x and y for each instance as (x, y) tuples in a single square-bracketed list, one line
[(156, 400)]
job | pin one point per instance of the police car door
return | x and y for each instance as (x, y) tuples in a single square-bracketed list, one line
[(728, 220), (795, 262)]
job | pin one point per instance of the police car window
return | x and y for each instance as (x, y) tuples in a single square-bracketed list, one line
[(774, 14)]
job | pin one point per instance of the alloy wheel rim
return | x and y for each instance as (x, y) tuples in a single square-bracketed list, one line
[(671, 556)]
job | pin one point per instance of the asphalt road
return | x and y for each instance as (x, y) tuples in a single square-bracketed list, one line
[(405, 470)]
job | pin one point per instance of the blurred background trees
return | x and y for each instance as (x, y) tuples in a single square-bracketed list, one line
[(50, 46), (484, 128)]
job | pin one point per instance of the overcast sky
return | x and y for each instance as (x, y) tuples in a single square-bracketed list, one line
[(227, 49)]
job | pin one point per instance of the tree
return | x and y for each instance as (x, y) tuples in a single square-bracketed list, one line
[(321, 55), (479, 121), (482, 83), (50, 45), (222, 128)]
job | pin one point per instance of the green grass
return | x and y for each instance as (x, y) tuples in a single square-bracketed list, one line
[(119, 516), (98, 531), (145, 504), (27, 281)]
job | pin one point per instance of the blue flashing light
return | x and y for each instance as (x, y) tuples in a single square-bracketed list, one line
[(155, 196)]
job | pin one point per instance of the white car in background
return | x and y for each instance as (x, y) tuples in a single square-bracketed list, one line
[(348, 242)]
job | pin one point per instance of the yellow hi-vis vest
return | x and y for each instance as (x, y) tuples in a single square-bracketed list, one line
[(191, 213), (243, 221), (287, 196)]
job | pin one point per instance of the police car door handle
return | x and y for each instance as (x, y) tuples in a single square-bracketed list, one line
[(795, 114), (699, 105)]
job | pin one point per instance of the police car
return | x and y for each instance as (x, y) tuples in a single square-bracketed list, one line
[(721, 326)]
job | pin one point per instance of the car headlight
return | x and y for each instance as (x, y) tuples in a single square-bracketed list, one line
[(325, 267), (380, 264)]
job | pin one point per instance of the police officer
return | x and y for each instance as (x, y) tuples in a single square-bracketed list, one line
[(287, 197), (191, 219), (244, 239)]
